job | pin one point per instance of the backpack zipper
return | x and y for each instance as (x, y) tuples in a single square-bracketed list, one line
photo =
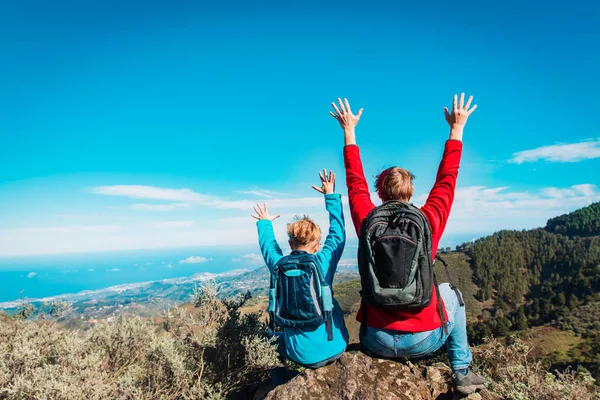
[(399, 237), (385, 223)]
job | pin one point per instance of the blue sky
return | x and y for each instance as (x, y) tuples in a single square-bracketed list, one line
[(131, 125)]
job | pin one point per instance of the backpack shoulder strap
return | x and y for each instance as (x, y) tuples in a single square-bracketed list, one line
[(440, 305), (306, 258), (451, 281)]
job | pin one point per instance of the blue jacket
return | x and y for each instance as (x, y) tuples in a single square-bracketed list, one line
[(311, 347)]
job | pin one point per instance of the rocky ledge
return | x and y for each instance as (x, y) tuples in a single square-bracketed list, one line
[(356, 376)]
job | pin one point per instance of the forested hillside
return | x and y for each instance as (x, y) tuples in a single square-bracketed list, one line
[(583, 222), (540, 276), (555, 273)]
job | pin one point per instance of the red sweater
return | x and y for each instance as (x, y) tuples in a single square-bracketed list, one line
[(436, 210)]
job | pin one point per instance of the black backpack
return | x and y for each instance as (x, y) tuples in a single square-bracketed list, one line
[(299, 296), (394, 260)]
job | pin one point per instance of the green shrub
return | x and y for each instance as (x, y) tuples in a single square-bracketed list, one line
[(207, 352)]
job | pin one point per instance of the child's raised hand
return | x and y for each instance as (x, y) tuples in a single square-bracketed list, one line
[(327, 182), (263, 213)]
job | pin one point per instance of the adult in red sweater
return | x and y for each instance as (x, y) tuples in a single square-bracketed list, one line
[(413, 333)]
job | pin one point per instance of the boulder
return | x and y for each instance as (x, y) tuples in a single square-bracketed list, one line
[(357, 376)]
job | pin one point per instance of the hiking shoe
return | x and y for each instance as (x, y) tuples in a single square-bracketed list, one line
[(469, 383)]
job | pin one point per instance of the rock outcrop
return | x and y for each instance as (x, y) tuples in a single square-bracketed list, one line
[(356, 376)]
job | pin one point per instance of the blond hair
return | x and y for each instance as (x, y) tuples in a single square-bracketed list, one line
[(303, 231), (395, 184)]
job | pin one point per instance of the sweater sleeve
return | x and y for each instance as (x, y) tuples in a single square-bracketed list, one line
[(440, 199), (358, 189), (336, 238), (269, 248)]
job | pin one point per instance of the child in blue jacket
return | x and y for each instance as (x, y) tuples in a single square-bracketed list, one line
[(311, 348)]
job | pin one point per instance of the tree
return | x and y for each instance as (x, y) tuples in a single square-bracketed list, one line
[(502, 327), (521, 320)]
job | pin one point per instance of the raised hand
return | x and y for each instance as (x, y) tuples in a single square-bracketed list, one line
[(263, 213), (457, 118), (327, 182), (347, 120)]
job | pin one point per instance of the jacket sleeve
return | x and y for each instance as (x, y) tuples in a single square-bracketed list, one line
[(333, 248), (358, 189), (269, 248), (440, 199)]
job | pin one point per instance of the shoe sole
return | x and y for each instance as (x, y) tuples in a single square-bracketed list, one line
[(469, 389)]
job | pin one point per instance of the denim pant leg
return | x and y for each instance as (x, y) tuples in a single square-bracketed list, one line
[(380, 342), (396, 344), (457, 344)]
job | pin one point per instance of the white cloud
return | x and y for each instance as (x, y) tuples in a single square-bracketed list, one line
[(67, 229), (233, 221), (477, 210), (573, 152), (263, 193), (194, 260), (236, 259), (481, 210), (91, 270), (15, 242), (585, 190), (253, 258), (247, 219), (114, 270), (169, 265), (170, 224), (159, 207), (151, 192), (299, 203), (31, 275), (186, 197)]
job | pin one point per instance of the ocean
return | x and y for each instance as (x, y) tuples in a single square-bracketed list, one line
[(37, 277)]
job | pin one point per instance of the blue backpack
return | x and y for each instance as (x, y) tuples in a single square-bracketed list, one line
[(299, 297)]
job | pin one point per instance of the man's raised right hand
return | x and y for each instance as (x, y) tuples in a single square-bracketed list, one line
[(457, 118), (347, 120)]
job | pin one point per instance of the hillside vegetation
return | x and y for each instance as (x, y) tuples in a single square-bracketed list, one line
[(583, 222), (536, 277), (206, 354), (210, 352)]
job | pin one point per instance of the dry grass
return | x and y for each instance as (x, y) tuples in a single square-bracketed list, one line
[(514, 374), (207, 354), (545, 340)]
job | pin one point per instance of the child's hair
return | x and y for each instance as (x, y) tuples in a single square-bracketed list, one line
[(395, 184), (303, 231)]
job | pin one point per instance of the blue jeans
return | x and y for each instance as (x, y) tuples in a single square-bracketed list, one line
[(396, 344)]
